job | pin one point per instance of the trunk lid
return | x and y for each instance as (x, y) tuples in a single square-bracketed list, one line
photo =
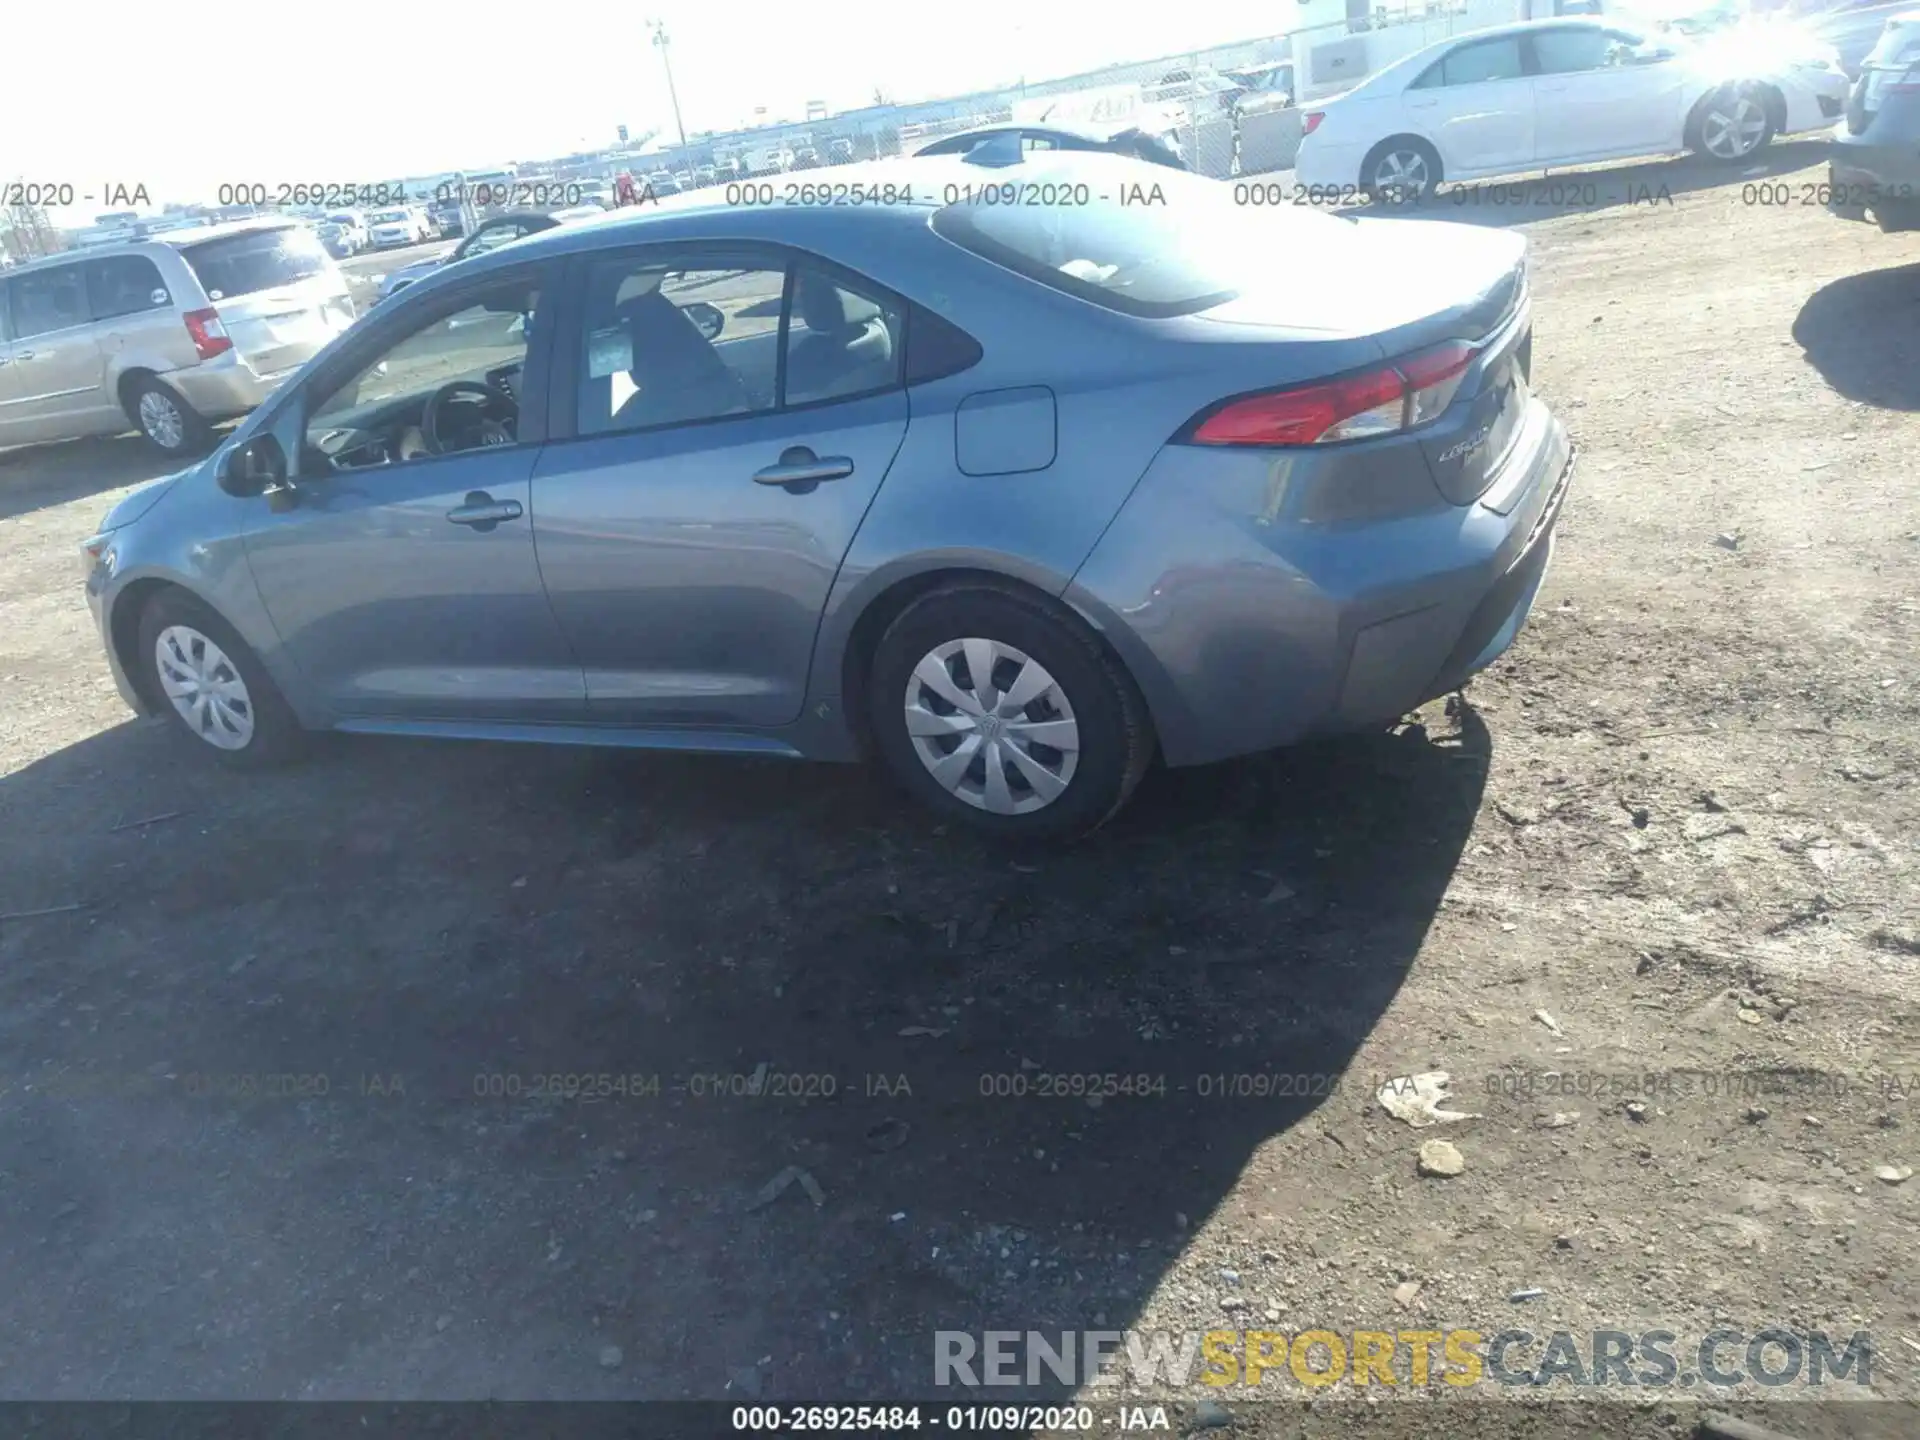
[(1407, 285)]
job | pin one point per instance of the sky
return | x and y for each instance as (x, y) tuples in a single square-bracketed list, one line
[(348, 92)]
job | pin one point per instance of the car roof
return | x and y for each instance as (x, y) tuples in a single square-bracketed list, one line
[(1423, 57), (171, 239), (1078, 129), (922, 184)]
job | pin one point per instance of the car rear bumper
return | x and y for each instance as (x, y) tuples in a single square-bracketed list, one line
[(1328, 167), (1246, 633), (1872, 181), (227, 386)]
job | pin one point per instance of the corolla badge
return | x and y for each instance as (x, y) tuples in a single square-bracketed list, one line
[(1467, 446)]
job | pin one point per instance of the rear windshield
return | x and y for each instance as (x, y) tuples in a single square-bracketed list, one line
[(388, 217), (1153, 256), (256, 260)]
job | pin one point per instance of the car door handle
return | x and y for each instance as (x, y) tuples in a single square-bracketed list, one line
[(483, 512), (800, 466)]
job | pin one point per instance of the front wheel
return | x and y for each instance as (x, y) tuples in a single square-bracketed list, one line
[(213, 686), (1733, 123), (999, 712)]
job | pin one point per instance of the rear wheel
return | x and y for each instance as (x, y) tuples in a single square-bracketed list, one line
[(1401, 171), (171, 425), (213, 686), (1732, 123), (1001, 713)]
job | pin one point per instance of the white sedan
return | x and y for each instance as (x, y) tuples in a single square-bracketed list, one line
[(1548, 93)]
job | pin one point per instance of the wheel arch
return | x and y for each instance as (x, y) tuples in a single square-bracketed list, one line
[(1403, 137), (123, 631), (889, 599), (1771, 96)]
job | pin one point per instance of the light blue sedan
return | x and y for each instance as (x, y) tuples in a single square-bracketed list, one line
[(1013, 477)]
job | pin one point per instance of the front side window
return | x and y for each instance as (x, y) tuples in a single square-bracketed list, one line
[(1567, 52), (48, 300), (124, 285), (452, 383), (492, 237)]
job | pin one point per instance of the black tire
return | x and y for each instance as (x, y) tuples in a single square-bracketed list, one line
[(1375, 186), (148, 400), (277, 736), (1115, 733), (1724, 102)]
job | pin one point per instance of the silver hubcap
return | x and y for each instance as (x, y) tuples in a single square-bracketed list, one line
[(993, 726), (204, 686), (1733, 129), (1402, 175), (160, 418)]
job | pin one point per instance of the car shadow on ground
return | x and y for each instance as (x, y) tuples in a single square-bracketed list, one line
[(448, 1066), (77, 469), (1584, 192), (1862, 333)]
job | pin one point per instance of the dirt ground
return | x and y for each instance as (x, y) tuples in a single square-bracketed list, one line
[(1665, 852)]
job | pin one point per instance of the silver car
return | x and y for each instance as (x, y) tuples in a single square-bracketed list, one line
[(168, 334), (1012, 496)]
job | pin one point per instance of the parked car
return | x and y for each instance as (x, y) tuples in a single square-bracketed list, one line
[(1874, 167), (396, 226), (663, 184), (1854, 30), (1543, 93), (446, 217), (1021, 497), (353, 226), (805, 158), (337, 239), (168, 334), (1122, 139), (840, 151), (489, 234)]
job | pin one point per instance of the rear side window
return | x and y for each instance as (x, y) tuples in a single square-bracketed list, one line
[(256, 260), (48, 300), (842, 340), (1475, 64), (124, 285), (1149, 260)]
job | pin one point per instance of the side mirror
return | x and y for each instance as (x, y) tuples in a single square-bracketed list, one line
[(255, 468), (710, 320)]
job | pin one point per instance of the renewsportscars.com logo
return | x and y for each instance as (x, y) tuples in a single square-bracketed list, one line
[(1247, 1359)]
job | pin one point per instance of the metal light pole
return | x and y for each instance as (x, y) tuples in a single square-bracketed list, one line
[(661, 42)]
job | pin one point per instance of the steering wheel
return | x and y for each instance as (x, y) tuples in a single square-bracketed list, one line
[(492, 431)]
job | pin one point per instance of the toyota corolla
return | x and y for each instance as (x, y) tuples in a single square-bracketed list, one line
[(1012, 478)]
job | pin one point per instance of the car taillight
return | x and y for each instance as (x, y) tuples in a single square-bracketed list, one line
[(209, 335), (1310, 122), (1401, 396)]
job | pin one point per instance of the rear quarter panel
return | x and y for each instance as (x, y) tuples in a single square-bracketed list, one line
[(1122, 387)]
